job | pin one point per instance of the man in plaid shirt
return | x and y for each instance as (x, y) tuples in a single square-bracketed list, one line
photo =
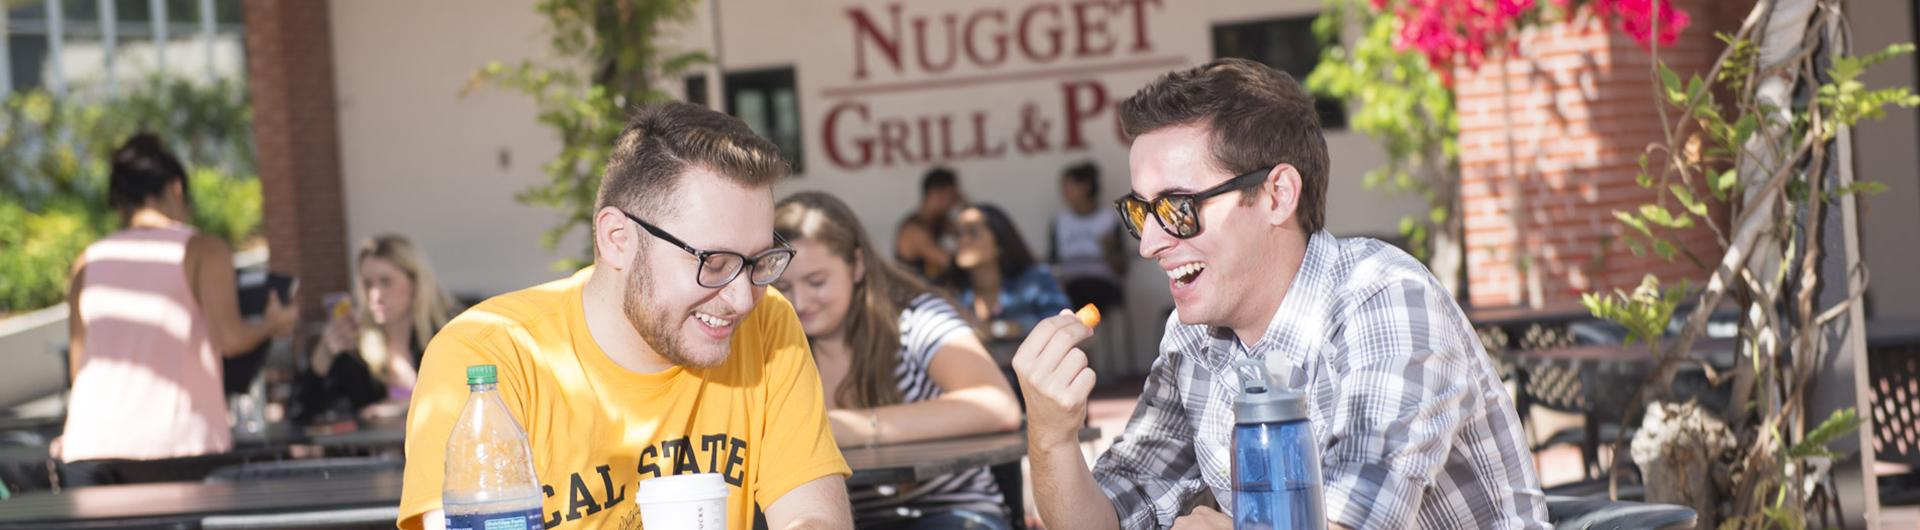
[(1415, 429)]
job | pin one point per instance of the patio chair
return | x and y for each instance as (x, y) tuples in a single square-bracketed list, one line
[(1013, 489), (1565, 387), (1893, 362)]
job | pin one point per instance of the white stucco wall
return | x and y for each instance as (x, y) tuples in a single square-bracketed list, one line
[(422, 160), (1888, 151)]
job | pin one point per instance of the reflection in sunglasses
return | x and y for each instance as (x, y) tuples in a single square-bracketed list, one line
[(1177, 211)]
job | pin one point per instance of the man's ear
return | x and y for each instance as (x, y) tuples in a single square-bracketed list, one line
[(615, 238), (1280, 194)]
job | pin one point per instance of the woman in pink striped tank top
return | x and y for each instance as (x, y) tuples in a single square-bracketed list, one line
[(153, 310)]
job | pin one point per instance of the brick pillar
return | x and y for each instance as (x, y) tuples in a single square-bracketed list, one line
[(296, 136), (1578, 106)]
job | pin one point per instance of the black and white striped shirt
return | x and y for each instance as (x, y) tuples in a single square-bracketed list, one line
[(927, 324), (1415, 428)]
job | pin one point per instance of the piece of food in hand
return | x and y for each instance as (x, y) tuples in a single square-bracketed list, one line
[(342, 308), (1088, 315)]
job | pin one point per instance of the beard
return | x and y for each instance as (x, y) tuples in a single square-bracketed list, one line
[(656, 327)]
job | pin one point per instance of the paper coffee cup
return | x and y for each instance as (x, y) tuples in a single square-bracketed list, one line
[(683, 502)]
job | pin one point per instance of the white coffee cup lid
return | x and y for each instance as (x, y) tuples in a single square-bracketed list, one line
[(678, 488)]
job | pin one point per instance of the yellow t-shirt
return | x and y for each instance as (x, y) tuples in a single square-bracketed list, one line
[(597, 429)]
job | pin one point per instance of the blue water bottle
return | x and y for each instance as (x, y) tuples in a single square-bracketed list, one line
[(1276, 468)]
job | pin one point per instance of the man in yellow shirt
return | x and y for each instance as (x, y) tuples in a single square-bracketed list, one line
[(668, 356)]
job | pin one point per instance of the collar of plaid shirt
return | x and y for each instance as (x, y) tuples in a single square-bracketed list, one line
[(1298, 327)]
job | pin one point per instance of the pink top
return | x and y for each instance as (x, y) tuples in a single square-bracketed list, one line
[(149, 385)]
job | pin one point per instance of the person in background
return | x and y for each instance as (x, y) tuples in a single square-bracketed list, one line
[(1086, 241), (924, 240), (899, 364), (153, 309), (370, 357), (998, 279)]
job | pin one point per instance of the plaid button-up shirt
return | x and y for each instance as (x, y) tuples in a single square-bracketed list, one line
[(1415, 428)]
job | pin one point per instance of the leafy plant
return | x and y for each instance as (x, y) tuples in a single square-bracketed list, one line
[(1758, 170), (1766, 161), (609, 62), (1645, 312), (54, 163), (1408, 107)]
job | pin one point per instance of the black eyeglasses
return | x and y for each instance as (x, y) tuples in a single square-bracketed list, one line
[(1179, 213), (719, 267)]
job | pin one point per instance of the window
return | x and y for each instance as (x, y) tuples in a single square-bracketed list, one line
[(768, 101), (202, 41), (1287, 45)]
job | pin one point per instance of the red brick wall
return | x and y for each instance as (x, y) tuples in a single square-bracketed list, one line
[(1580, 101), (290, 72)]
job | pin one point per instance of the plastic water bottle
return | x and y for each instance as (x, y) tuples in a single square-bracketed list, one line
[(489, 482), (1276, 468)]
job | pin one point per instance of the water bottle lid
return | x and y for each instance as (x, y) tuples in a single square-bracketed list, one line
[(1261, 401), (482, 374)]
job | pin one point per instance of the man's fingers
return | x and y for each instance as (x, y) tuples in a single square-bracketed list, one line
[(1082, 383), (1068, 334), (1037, 339), (1070, 365)]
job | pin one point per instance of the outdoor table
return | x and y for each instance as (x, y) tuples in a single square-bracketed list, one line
[(356, 498), (1598, 383), (371, 437), (901, 463), (186, 504)]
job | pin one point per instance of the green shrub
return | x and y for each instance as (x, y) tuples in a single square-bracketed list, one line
[(54, 165)]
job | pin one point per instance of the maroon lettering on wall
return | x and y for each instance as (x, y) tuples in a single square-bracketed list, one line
[(829, 134), (1084, 100), (984, 39), (1090, 21), (864, 30), (998, 38), (921, 48), (893, 139), (857, 139), (1140, 43), (1054, 32), (979, 147)]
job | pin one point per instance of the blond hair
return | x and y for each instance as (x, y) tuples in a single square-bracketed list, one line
[(431, 307)]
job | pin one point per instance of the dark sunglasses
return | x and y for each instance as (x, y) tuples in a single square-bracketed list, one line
[(1179, 213), (719, 267)]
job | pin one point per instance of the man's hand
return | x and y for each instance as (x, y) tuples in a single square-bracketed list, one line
[(1054, 376), (1203, 518)]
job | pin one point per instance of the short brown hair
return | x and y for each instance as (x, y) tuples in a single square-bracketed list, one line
[(663, 141), (1256, 117)]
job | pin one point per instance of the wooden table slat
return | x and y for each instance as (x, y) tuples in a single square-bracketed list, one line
[(170, 502), (199, 499)]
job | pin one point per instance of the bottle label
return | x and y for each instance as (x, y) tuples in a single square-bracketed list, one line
[(528, 519)]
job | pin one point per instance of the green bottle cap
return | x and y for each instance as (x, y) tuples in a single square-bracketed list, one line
[(482, 374)]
